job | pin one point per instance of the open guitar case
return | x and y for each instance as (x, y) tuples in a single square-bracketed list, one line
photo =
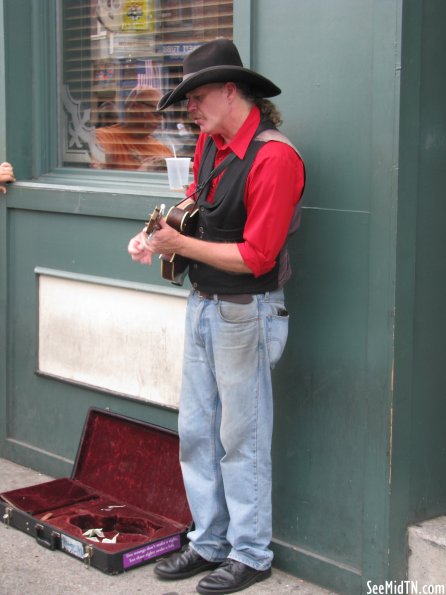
[(124, 504)]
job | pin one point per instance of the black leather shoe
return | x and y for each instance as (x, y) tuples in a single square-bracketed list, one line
[(183, 564), (230, 577)]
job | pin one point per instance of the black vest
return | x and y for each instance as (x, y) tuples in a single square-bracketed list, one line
[(224, 220)]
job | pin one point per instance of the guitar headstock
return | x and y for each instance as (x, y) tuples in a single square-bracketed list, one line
[(152, 224)]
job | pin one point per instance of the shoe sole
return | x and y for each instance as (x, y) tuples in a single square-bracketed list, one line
[(180, 575), (257, 578)]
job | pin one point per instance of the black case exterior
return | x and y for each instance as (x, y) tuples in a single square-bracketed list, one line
[(112, 562)]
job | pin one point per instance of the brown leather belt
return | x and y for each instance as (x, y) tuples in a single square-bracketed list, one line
[(236, 298)]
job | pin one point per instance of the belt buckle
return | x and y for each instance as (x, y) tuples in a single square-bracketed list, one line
[(204, 295)]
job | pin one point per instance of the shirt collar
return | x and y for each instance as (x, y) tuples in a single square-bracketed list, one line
[(240, 143)]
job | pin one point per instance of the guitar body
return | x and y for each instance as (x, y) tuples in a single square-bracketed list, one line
[(182, 217)]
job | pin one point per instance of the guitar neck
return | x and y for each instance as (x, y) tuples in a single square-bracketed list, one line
[(152, 224)]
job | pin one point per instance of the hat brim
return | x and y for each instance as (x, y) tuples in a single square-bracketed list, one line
[(220, 74)]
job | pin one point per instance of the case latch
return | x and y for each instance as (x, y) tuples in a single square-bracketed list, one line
[(7, 516), (88, 555)]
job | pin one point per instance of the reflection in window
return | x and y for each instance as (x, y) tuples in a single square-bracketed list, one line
[(118, 58)]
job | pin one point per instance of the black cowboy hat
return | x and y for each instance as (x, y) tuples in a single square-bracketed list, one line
[(217, 61)]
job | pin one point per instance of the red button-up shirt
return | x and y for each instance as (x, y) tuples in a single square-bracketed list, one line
[(274, 187)]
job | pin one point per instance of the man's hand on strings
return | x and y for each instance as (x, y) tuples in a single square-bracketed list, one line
[(165, 240), (140, 249)]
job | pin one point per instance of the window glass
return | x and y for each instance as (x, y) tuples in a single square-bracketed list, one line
[(118, 58)]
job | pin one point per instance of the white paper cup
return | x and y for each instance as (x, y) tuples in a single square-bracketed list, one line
[(178, 172)]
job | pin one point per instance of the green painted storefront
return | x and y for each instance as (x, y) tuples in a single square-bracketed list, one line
[(360, 444)]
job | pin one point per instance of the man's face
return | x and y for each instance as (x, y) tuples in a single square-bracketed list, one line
[(208, 107)]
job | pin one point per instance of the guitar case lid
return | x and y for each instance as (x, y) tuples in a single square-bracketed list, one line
[(126, 480)]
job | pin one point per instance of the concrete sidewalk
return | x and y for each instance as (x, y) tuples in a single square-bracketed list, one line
[(26, 568)]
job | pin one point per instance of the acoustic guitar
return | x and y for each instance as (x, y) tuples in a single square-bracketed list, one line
[(182, 217)]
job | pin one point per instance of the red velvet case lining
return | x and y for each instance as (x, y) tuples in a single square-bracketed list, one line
[(126, 480)]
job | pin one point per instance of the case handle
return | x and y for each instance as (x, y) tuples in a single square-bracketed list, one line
[(50, 543)]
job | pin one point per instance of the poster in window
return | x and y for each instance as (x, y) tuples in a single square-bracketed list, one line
[(138, 16)]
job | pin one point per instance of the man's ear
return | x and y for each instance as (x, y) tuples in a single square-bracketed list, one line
[(231, 90)]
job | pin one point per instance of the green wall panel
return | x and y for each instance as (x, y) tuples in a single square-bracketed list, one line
[(43, 414), (338, 66), (418, 478), (18, 50), (429, 492), (422, 267), (320, 416), (324, 62)]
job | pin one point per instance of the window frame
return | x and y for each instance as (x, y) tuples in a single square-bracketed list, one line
[(42, 166)]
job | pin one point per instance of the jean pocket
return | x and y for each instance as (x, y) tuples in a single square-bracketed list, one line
[(277, 334), (238, 313)]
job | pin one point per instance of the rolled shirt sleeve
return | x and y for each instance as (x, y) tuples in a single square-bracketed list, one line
[(273, 189)]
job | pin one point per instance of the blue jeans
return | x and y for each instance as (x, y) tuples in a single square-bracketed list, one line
[(226, 421)]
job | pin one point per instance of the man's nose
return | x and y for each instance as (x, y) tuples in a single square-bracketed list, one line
[(190, 105)]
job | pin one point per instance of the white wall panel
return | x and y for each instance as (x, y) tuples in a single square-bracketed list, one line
[(120, 339)]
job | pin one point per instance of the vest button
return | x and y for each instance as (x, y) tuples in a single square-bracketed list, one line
[(195, 285)]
